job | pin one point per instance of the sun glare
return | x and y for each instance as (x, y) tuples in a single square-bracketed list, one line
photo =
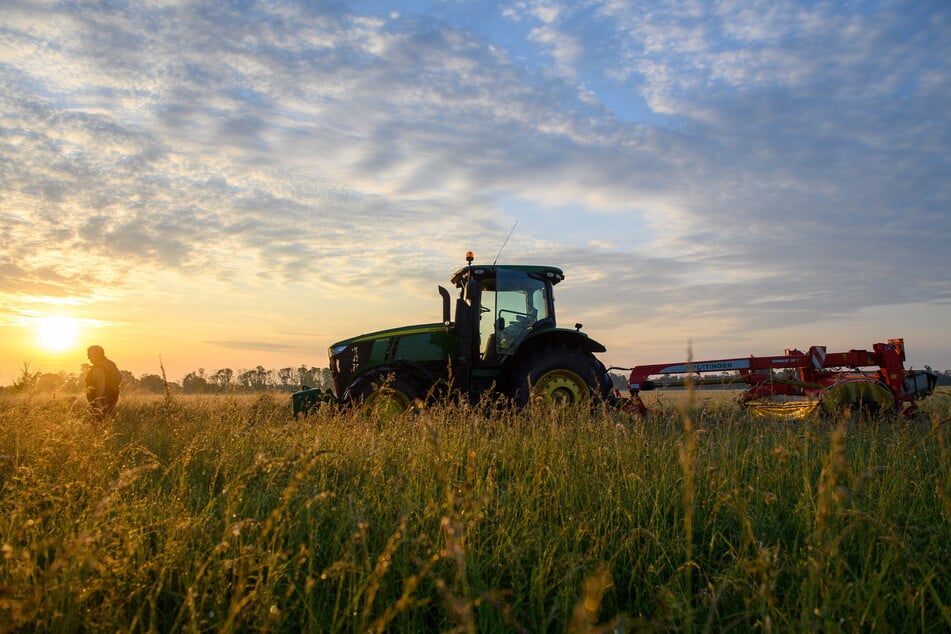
[(57, 334)]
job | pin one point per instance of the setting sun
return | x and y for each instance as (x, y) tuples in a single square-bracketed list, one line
[(57, 334)]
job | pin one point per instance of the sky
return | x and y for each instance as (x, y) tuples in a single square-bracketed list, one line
[(213, 184)]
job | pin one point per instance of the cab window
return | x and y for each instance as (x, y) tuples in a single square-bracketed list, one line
[(519, 302)]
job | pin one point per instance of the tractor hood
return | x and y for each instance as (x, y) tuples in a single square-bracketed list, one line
[(389, 332), (419, 345)]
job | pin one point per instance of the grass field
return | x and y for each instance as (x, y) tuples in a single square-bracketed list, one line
[(225, 514)]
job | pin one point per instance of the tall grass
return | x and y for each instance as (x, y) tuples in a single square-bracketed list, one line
[(225, 514)]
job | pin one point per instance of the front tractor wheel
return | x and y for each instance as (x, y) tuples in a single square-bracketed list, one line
[(564, 376), (387, 394)]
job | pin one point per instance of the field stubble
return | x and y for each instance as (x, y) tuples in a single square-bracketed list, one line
[(225, 514)]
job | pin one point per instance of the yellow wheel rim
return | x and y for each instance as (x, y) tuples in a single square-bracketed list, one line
[(562, 387), (387, 403)]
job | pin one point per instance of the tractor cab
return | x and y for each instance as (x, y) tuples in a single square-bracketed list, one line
[(498, 307)]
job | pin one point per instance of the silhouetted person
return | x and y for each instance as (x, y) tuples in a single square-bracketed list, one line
[(102, 381)]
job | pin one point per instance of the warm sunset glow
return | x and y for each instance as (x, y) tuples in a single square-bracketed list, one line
[(57, 333), (276, 179)]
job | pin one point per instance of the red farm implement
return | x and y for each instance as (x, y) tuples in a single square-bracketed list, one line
[(796, 384)]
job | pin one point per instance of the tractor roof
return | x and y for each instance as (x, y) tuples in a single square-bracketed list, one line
[(551, 273)]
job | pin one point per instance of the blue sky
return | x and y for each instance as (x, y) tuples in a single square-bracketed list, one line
[(227, 184)]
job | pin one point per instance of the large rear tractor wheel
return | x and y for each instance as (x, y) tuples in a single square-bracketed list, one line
[(387, 394), (565, 376)]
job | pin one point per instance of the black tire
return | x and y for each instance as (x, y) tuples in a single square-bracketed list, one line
[(563, 374), (387, 392)]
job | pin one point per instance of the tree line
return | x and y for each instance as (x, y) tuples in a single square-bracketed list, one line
[(225, 380)]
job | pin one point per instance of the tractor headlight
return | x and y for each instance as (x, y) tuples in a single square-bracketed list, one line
[(337, 350)]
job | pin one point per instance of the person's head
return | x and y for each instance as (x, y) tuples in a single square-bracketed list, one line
[(95, 352)]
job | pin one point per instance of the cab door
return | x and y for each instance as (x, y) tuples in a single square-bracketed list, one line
[(518, 304)]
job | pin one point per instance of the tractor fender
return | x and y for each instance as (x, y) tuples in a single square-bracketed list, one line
[(552, 337), (559, 337), (413, 369)]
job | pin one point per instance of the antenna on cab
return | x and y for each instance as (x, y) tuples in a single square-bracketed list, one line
[(515, 224)]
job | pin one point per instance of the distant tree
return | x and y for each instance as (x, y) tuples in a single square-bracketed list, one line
[(74, 383), (245, 380), (260, 381), (152, 383), (58, 382), (284, 375), (26, 380), (326, 378), (222, 379), (128, 380), (620, 381), (253, 380), (308, 376), (195, 382)]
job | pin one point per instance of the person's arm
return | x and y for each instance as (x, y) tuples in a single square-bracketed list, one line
[(98, 386)]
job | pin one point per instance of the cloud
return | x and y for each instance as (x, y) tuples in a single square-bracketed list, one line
[(253, 346), (767, 163)]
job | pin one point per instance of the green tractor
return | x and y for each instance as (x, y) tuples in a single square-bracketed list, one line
[(503, 339)]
